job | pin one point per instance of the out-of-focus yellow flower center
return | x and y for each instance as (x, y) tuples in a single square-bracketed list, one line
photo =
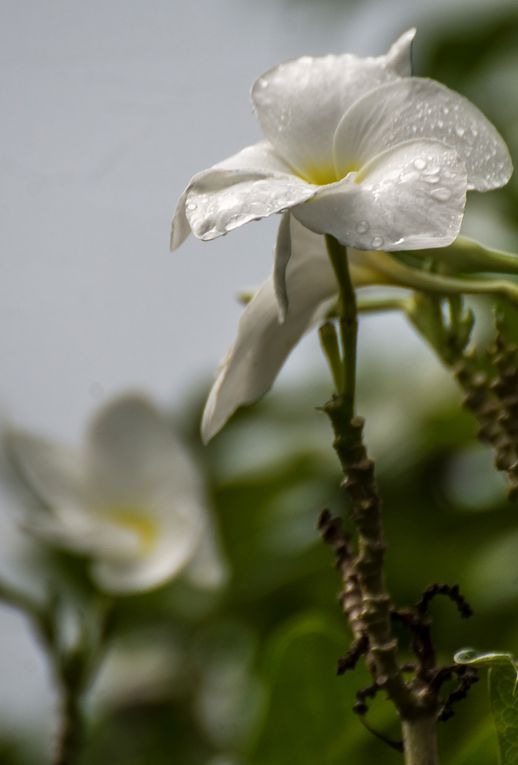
[(142, 525)]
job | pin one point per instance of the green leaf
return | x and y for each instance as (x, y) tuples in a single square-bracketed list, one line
[(503, 694), (308, 719)]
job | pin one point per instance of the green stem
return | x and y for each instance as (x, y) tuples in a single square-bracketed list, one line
[(71, 733), (420, 741), (348, 321)]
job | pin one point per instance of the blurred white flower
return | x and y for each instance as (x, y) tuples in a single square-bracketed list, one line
[(355, 148), (131, 499)]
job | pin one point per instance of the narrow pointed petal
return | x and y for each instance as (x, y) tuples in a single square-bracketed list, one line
[(263, 343), (415, 108), (393, 205), (300, 103), (399, 55), (282, 257), (253, 163)]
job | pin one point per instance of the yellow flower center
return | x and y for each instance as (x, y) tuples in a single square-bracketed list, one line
[(321, 175), (137, 522)]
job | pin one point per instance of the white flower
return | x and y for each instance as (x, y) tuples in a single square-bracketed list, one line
[(131, 499), (355, 148)]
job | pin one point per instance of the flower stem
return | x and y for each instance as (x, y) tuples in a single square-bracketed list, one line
[(348, 321), (372, 623), (420, 741)]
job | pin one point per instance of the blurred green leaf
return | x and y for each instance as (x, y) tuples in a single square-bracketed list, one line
[(309, 716), (503, 693)]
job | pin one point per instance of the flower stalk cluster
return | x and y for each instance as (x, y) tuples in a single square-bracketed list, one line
[(493, 400)]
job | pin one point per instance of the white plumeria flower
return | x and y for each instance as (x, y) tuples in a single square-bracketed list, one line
[(131, 499), (355, 148)]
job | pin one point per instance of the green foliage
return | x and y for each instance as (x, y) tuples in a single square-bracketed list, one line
[(308, 717), (503, 692)]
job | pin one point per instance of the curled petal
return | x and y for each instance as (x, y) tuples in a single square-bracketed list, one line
[(263, 343), (300, 103), (415, 108), (392, 204), (253, 163), (213, 211)]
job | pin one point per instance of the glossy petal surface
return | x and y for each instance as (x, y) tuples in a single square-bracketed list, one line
[(410, 196), (300, 103), (415, 108), (250, 164), (213, 211)]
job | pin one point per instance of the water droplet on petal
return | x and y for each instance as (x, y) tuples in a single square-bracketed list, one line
[(191, 206), (431, 178), (419, 164), (442, 194), (377, 243), (459, 130), (362, 227)]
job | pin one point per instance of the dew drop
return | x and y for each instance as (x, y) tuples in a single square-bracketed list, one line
[(459, 130), (431, 178), (377, 243), (191, 206), (362, 227), (442, 194), (419, 164), (407, 176)]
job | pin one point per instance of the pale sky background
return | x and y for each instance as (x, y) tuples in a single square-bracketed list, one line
[(108, 107)]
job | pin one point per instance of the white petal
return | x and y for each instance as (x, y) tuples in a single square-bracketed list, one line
[(213, 210), (53, 471), (133, 455), (300, 103), (395, 203), (85, 535), (282, 257), (167, 556), (399, 56), (207, 567), (418, 108), (263, 343), (252, 163)]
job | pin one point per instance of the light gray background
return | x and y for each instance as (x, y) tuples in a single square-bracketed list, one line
[(107, 108)]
